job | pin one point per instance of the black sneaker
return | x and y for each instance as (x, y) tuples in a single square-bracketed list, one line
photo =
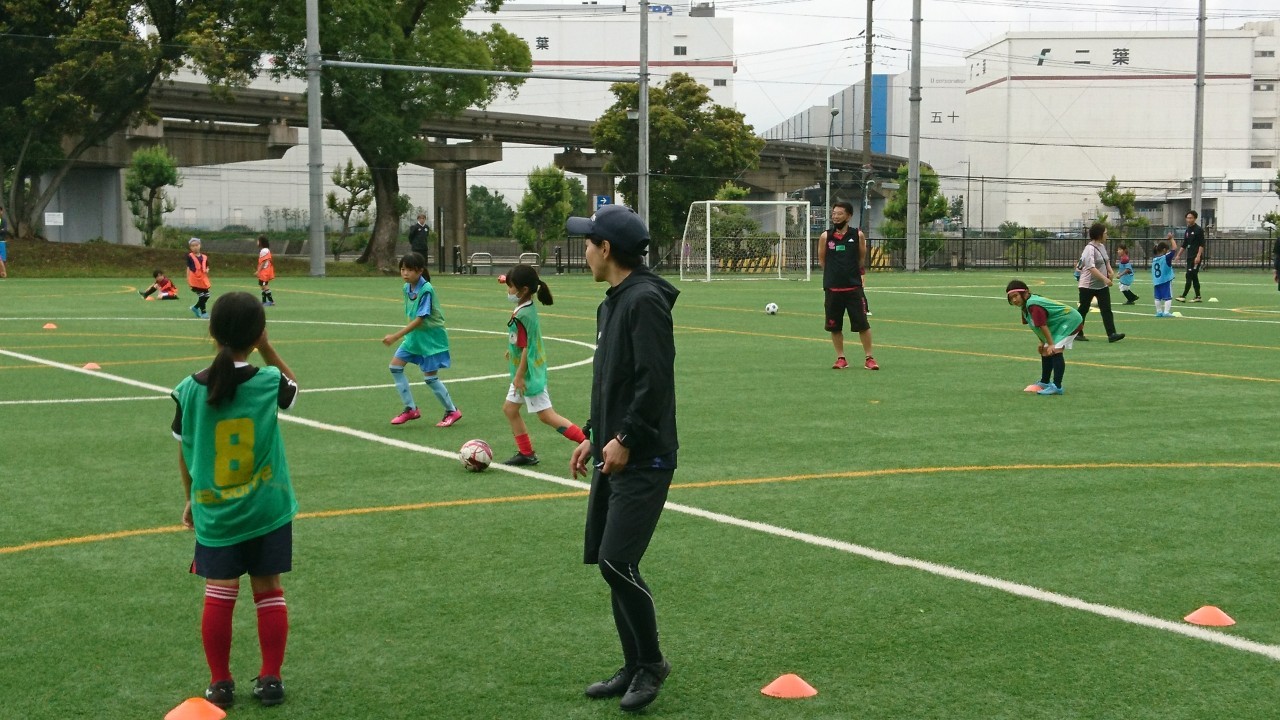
[(521, 459), (1115, 337), (615, 686), (269, 690), (221, 693), (1081, 338), (645, 686)]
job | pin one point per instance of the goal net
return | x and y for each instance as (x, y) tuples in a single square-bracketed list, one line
[(747, 239)]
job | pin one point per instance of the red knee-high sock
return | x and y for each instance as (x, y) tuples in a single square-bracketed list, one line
[(573, 432), (273, 630), (215, 629), (524, 444)]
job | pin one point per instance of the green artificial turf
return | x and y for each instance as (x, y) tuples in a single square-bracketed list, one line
[(420, 590)]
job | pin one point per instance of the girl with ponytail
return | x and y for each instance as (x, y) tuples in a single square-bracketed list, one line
[(239, 499)]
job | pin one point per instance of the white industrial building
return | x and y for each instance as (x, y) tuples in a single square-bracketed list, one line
[(1035, 123), (579, 39)]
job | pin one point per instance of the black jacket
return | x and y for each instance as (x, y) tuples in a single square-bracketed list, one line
[(633, 390), (418, 238)]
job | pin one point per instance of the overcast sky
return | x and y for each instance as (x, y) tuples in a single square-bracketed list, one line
[(793, 54)]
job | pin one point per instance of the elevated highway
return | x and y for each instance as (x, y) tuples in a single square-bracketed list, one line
[(201, 127)]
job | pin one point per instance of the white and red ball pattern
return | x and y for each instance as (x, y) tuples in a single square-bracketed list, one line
[(475, 455)]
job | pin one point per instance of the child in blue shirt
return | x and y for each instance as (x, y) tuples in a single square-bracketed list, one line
[(1162, 275), (1124, 275)]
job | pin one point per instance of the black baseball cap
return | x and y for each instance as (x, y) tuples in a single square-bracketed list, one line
[(618, 224)]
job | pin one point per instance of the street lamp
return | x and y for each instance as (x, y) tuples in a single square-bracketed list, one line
[(827, 181)]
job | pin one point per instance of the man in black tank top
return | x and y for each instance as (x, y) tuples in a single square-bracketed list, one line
[(842, 253)]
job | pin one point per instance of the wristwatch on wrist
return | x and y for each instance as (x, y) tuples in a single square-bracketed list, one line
[(622, 440)]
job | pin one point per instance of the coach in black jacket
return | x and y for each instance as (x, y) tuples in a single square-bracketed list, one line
[(631, 439)]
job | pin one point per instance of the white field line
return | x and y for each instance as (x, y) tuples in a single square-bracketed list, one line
[(496, 376), (946, 571), (872, 291)]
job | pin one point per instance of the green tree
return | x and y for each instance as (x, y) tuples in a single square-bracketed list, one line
[(694, 146), (487, 213), (579, 202), (381, 111), (543, 210), (354, 206), (150, 171), (1125, 202), (933, 205), (75, 73), (955, 208)]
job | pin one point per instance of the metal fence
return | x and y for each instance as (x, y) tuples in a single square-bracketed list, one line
[(976, 253)]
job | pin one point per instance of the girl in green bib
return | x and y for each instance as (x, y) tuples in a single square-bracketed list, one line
[(240, 502), (527, 363), (1055, 326)]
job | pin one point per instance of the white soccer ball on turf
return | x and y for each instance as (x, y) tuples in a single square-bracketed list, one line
[(771, 309), (475, 455)]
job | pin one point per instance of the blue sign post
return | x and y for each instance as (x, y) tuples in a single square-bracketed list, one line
[(602, 200)]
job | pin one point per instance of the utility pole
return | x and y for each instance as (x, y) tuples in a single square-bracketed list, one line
[(1197, 152), (866, 105), (826, 183), (642, 164), (315, 152), (913, 153)]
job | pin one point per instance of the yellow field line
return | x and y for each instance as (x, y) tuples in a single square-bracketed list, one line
[(100, 537), (882, 472), (885, 472)]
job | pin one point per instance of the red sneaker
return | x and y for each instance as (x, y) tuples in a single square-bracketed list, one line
[(406, 416), (841, 364), (450, 418), (871, 364)]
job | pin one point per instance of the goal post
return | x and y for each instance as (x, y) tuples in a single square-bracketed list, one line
[(747, 239)]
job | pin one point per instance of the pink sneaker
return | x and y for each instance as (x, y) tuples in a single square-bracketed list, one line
[(406, 416), (450, 418), (871, 364), (841, 364)]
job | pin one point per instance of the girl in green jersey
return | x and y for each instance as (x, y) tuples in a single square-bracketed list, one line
[(1055, 326), (527, 363), (240, 501)]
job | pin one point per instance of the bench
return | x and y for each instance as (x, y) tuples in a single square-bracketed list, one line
[(478, 260)]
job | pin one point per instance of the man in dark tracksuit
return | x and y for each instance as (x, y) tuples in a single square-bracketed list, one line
[(631, 439), (1193, 246), (420, 237)]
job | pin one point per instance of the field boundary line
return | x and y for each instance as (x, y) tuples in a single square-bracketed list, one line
[(946, 571)]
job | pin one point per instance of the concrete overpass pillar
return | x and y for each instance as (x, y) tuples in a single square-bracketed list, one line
[(449, 164), (599, 181)]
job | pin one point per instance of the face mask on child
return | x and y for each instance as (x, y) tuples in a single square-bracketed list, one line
[(513, 298)]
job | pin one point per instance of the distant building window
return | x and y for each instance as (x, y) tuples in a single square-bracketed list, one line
[(1264, 87), (681, 50), (1252, 185), (721, 82), (1264, 53), (1259, 164), (1265, 125)]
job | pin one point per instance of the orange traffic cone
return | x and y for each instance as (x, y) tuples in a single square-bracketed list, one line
[(50, 326), (196, 709), (1211, 616), (789, 686), (92, 366)]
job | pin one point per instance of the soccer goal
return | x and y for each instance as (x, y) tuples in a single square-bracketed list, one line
[(747, 239)]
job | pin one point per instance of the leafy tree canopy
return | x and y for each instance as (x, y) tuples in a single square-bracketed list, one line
[(381, 111), (487, 213), (543, 210), (74, 73), (150, 172), (695, 146)]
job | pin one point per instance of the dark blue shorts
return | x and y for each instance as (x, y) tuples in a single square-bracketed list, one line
[(265, 555)]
